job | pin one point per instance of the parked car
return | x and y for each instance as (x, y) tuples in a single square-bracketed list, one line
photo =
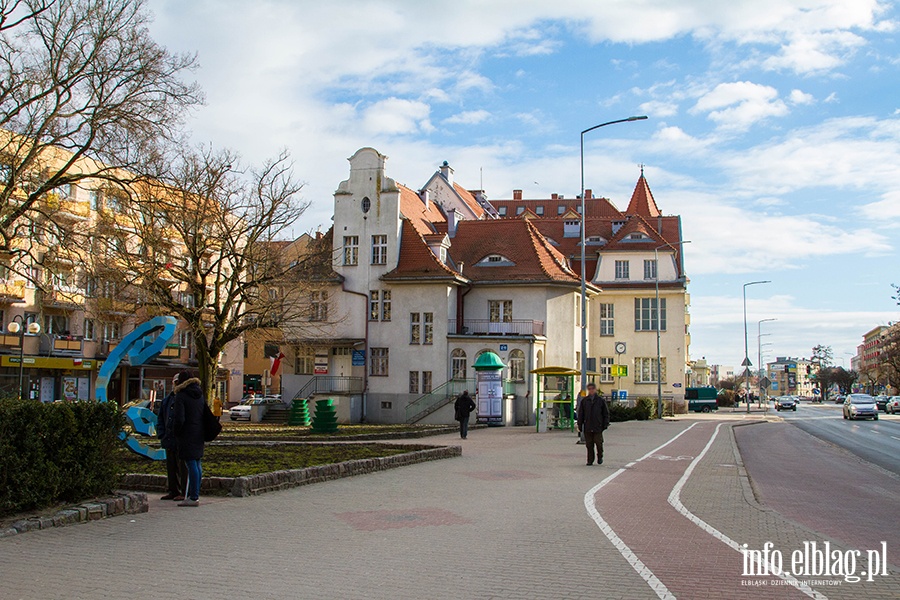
[(881, 402), (893, 405), (839, 399), (701, 399), (242, 410), (785, 403), (860, 406)]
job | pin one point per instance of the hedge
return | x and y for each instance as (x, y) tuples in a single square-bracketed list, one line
[(60, 452), (644, 409)]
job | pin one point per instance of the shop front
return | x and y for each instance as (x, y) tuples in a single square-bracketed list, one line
[(49, 378)]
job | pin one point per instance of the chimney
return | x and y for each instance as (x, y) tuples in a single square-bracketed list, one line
[(452, 221), (462, 265), (425, 195), (554, 196), (588, 194), (517, 194), (447, 172)]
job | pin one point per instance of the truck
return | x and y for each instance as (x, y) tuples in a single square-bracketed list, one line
[(701, 399)]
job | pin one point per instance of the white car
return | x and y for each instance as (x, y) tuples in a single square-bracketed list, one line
[(241, 411), (860, 406), (893, 405)]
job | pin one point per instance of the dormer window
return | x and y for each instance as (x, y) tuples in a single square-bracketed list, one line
[(571, 228), (595, 240), (539, 211), (560, 209), (520, 210), (501, 211), (616, 226), (495, 260), (638, 236)]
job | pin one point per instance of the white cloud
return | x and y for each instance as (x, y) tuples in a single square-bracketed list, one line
[(397, 116), (659, 109), (469, 117), (831, 98), (811, 52), (740, 104), (800, 97)]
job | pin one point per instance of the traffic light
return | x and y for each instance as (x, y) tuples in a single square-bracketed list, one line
[(808, 369)]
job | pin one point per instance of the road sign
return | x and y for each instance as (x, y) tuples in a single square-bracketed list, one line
[(764, 382), (746, 362), (676, 385), (619, 370)]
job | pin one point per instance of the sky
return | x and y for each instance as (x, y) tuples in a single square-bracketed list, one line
[(773, 128)]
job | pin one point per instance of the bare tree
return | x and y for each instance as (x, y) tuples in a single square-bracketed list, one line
[(85, 94), (205, 244)]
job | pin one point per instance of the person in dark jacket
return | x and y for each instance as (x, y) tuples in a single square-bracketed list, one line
[(188, 426), (464, 405), (593, 419), (176, 471)]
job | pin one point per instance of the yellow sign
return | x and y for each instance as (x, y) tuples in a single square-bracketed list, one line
[(43, 362), (619, 370)]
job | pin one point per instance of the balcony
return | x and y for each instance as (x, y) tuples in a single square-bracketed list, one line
[(12, 291), (115, 306), (71, 298), (62, 345), (488, 327)]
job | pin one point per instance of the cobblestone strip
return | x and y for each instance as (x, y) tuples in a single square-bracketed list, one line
[(124, 503), (720, 494)]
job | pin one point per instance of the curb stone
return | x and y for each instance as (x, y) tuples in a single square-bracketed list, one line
[(124, 503)]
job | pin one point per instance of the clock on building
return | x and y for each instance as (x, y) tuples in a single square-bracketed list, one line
[(620, 347)]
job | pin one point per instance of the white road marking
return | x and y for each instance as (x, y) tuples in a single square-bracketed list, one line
[(646, 574), (675, 501), (895, 437)]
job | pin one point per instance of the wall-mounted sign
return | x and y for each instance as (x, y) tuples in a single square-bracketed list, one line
[(321, 364), (504, 347), (359, 358)]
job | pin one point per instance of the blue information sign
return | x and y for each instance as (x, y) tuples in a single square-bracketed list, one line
[(359, 358), (503, 347)]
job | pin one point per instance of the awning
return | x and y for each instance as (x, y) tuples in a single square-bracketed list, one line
[(52, 362)]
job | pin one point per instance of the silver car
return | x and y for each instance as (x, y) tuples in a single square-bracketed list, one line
[(860, 406)]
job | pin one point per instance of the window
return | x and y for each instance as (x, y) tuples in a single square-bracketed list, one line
[(318, 306), (386, 405), (500, 311), (56, 324), (30, 318), (520, 210), (186, 299), (560, 209), (386, 305), (495, 258), (571, 228), (645, 370), (111, 332), (622, 269), (426, 382), (246, 350), (458, 364), (379, 249), (62, 280), (366, 205), (539, 211), (415, 329), (650, 269), (606, 363), (341, 351), (88, 329), (645, 314), (501, 211), (517, 365), (428, 328), (351, 249), (185, 338), (379, 362), (413, 382), (305, 361), (374, 304), (33, 274), (96, 199), (607, 322)]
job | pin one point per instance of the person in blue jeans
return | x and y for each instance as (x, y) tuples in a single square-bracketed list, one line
[(188, 422)]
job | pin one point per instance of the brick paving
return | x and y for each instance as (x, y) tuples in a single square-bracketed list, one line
[(505, 520)]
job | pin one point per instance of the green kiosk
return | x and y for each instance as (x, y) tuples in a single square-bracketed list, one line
[(556, 398), (489, 388)]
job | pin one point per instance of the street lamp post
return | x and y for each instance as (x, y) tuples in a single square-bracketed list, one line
[(583, 365), (16, 328), (659, 402), (759, 363), (746, 364)]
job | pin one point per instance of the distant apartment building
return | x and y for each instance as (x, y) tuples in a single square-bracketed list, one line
[(719, 372), (790, 376)]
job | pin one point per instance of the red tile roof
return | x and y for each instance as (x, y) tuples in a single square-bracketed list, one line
[(642, 202), (595, 207), (422, 218), (469, 199), (516, 239), (417, 261)]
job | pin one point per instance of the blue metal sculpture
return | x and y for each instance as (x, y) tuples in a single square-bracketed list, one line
[(143, 344)]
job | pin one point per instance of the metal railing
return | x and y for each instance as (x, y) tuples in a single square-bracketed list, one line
[(330, 384), (436, 398), (488, 327)]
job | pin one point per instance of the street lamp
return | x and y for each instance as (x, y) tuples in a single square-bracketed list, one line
[(659, 402), (15, 327), (759, 335), (583, 274), (746, 364)]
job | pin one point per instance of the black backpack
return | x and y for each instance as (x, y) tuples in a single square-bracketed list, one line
[(211, 425)]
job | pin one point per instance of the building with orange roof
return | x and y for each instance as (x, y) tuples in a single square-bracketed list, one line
[(429, 279)]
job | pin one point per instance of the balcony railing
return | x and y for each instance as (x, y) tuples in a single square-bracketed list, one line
[(12, 290), (330, 384), (488, 327), (65, 298), (62, 345)]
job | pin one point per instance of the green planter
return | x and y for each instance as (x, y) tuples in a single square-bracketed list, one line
[(299, 414), (325, 419)]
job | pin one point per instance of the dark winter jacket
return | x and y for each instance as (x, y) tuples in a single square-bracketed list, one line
[(593, 414), (188, 421), (165, 423), (464, 405)]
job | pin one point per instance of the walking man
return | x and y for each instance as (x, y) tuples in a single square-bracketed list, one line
[(464, 405), (593, 419), (176, 470)]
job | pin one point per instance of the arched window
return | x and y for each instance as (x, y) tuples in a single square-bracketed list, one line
[(458, 364), (517, 365), (366, 204), (540, 359)]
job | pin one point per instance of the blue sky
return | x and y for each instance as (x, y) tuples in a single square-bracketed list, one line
[(774, 127)]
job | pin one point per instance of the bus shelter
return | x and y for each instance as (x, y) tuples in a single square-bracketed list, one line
[(556, 398)]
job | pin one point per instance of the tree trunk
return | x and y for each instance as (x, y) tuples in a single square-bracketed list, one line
[(206, 366)]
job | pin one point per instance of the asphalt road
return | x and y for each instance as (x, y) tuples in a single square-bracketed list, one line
[(875, 441)]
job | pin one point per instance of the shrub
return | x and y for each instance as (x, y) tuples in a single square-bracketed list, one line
[(726, 398), (61, 452), (643, 409)]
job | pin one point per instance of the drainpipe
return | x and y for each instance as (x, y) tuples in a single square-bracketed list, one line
[(365, 393)]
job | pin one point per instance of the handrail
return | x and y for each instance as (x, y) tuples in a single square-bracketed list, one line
[(488, 327), (330, 384), (438, 395)]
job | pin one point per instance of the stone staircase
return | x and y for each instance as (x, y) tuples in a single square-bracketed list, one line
[(276, 414)]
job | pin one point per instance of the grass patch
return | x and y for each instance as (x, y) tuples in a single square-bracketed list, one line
[(275, 431), (235, 460)]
